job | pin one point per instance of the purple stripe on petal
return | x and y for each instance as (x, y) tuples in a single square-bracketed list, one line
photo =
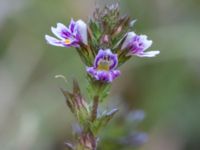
[(115, 61), (66, 33), (72, 25), (61, 31), (99, 56)]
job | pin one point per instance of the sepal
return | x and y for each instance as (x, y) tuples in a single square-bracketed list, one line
[(77, 104), (99, 88)]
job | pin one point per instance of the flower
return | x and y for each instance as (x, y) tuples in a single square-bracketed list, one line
[(135, 139), (70, 36), (104, 67), (136, 116), (137, 45)]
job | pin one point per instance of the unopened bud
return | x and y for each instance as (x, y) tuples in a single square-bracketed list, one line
[(105, 39)]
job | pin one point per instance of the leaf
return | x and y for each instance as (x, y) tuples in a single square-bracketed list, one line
[(102, 120), (76, 88)]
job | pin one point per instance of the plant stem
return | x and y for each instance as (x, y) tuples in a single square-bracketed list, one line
[(94, 108)]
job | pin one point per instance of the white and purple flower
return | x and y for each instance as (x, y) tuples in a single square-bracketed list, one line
[(70, 36), (137, 45), (104, 67)]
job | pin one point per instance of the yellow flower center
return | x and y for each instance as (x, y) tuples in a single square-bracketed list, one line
[(67, 41), (104, 65)]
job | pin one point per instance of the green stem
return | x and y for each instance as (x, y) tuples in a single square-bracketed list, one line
[(95, 108)]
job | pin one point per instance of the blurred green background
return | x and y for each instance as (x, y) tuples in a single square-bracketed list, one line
[(33, 114)]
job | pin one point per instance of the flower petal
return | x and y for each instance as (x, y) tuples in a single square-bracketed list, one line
[(149, 54), (53, 41), (115, 74), (147, 43), (72, 25), (107, 76), (90, 70), (82, 31), (128, 40), (108, 52), (61, 31)]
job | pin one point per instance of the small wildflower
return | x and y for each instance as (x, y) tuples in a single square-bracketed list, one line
[(70, 36), (136, 116), (106, 29), (135, 139), (137, 45), (104, 67)]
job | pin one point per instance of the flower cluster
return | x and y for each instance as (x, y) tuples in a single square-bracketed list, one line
[(102, 43)]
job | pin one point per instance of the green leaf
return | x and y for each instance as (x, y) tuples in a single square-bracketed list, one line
[(102, 120)]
